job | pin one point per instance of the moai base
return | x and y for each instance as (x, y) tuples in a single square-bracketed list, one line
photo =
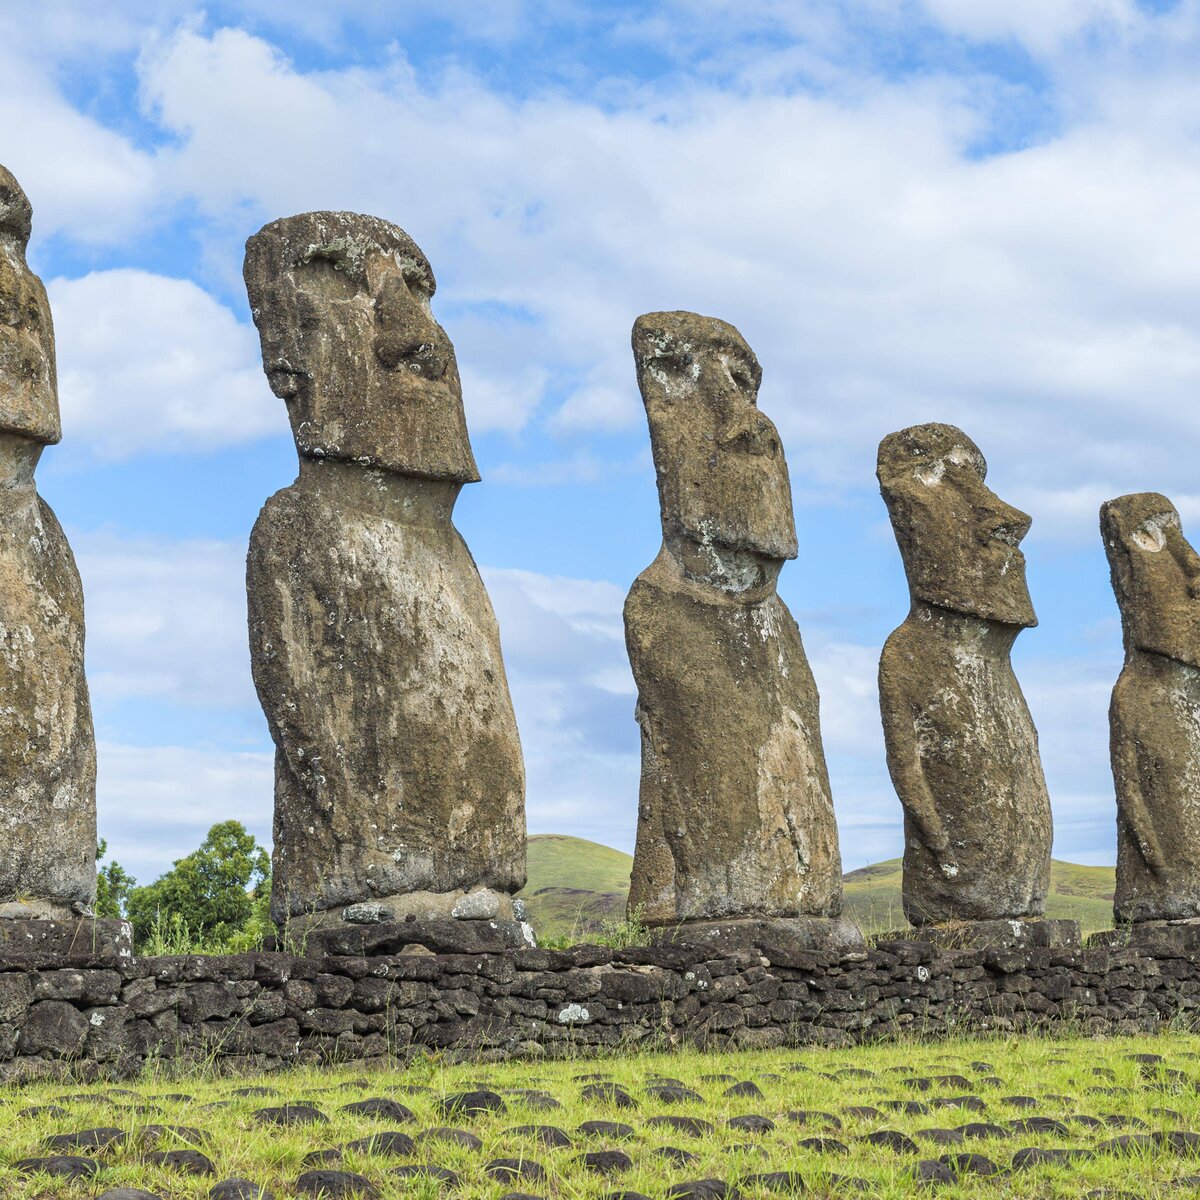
[(779, 939), (71, 941), (736, 829), (1013, 934), (1160, 939)]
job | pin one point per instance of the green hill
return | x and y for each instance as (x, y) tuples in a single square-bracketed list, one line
[(576, 885), (1081, 893)]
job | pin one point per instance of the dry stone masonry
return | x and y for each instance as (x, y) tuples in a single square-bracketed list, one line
[(1155, 714), (735, 814), (47, 750), (399, 786), (961, 746), (266, 1011)]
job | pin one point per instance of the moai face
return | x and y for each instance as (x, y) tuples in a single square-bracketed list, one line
[(342, 305), (28, 382), (959, 541), (722, 479), (1155, 574)]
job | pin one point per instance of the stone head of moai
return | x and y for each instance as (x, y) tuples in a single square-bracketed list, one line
[(959, 541), (28, 382), (1155, 575), (342, 306), (723, 484)]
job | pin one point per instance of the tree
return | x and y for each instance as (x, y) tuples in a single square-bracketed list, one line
[(113, 886), (206, 896)]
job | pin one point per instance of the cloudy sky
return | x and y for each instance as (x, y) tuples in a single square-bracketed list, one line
[(978, 211)]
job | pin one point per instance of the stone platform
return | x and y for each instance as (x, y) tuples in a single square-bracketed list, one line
[(79, 939), (1003, 934), (1155, 937), (777, 938)]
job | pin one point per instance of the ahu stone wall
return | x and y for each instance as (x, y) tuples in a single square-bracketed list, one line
[(268, 1011)]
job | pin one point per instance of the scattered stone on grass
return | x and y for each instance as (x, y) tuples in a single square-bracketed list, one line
[(63, 1166), (893, 1139), (695, 1127), (548, 1135), (380, 1108), (466, 1103), (290, 1114), (608, 1093), (239, 1189), (331, 1185), (445, 1133), (189, 1162), (509, 1170), (606, 1162), (606, 1129), (426, 1171)]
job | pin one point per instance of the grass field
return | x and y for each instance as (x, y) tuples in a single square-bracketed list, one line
[(575, 885), (881, 1115)]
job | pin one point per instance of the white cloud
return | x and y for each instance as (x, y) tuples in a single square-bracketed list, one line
[(166, 619), (149, 364), (1041, 25), (156, 803)]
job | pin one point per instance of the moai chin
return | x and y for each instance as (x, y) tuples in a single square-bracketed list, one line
[(735, 816), (1154, 717), (48, 764), (399, 786), (961, 746)]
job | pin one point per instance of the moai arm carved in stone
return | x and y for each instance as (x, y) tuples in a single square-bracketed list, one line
[(1154, 717), (48, 759), (399, 780), (735, 814), (961, 745)]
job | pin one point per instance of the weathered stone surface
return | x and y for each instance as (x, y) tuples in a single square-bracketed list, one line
[(735, 814), (399, 778), (780, 939), (1154, 717), (1008, 935), (961, 746), (47, 750), (79, 939)]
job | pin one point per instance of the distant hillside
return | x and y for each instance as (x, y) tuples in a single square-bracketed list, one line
[(575, 885), (1081, 893)]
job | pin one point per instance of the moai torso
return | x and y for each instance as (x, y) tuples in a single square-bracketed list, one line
[(735, 814), (961, 745), (47, 749), (375, 650), (1154, 717)]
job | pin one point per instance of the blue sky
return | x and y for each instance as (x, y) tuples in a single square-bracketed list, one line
[(976, 211)]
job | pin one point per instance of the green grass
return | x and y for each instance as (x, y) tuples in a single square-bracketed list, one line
[(577, 887), (1065, 1077)]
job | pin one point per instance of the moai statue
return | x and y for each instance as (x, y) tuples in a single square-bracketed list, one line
[(961, 746), (735, 820), (399, 784), (48, 764), (1155, 713)]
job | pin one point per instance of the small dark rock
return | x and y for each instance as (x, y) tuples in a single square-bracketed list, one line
[(391, 1142), (893, 1139), (676, 1156), (610, 1129), (465, 1103), (508, 1170), (380, 1107), (862, 1112), (930, 1171), (1039, 1125), (751, 1123), (291, 1114), (85, 1139), (330, 1185), (777, 1181), (606, 1162), (805, 1117), (63, 1166), (672, 1093), (695, 1127), (703, 1189), (823, 1145), (459, 1137), (190, 1162), (747, 1087), (969, 1164), (941, 1137), (608, 1093), (238, 1189), (1039, 1156), (426, 1171), (548, 1135)]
